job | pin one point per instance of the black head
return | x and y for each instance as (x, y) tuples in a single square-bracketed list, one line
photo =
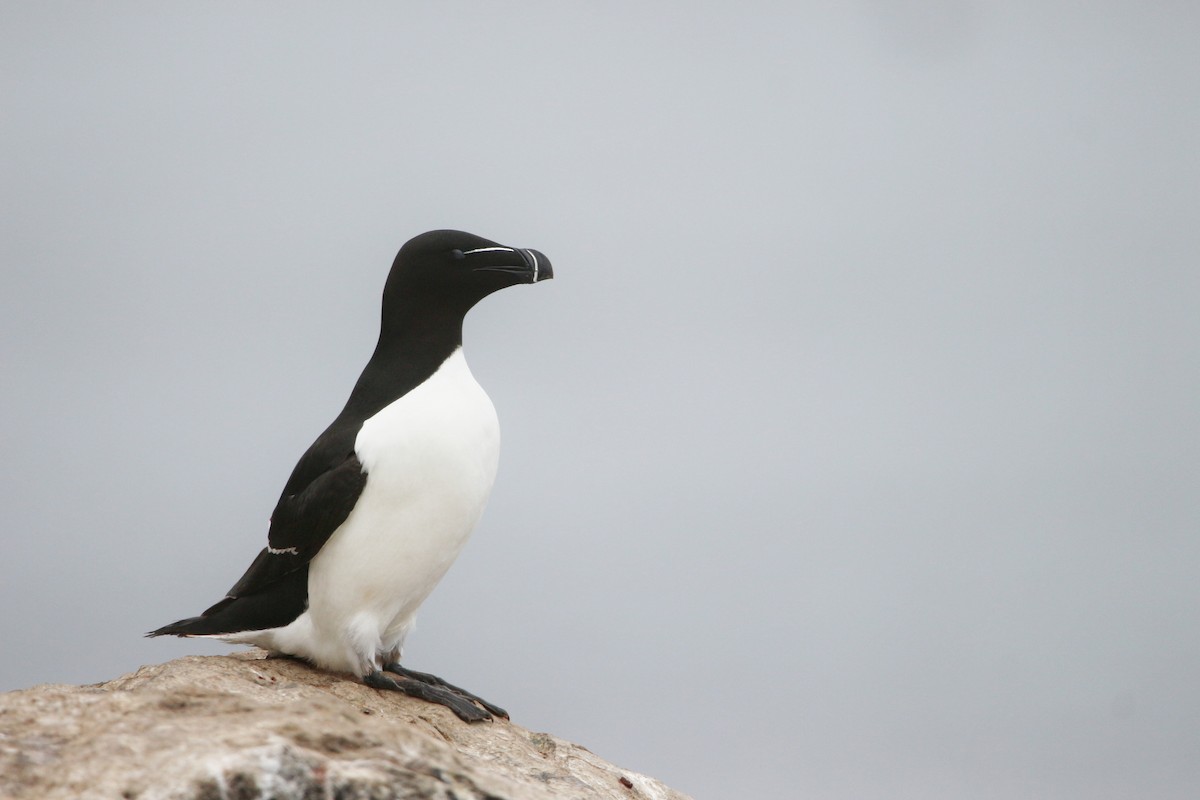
[(454, 270)]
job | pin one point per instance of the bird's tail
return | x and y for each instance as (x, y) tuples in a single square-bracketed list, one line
[(275, 606), (207, 624)]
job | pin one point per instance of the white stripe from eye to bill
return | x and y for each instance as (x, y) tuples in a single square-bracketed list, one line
[(488, 250)]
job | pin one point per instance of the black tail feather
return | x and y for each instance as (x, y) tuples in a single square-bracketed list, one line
[(275, 607), (184, 627)]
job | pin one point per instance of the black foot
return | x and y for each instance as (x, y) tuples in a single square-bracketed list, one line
[(465, 709), (434, 680)]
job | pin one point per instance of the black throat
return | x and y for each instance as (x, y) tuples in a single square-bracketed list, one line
[(415, 338)]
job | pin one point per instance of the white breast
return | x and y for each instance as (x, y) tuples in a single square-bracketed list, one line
[(430, 459)]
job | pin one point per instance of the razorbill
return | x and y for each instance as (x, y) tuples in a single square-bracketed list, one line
[(380, 505)]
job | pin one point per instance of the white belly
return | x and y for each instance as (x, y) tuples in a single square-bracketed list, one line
[(430, 459)]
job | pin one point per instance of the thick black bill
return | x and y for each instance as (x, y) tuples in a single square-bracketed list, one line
[(534, 265)]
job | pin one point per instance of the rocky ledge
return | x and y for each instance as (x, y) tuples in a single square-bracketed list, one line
[(243, 727)]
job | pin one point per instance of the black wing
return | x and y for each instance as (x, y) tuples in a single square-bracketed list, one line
[(302, 523), (317, 498), (323, 489)]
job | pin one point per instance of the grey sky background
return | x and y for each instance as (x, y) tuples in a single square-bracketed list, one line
[(852, 453)]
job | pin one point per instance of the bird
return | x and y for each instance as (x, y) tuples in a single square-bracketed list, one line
[(382, 502)]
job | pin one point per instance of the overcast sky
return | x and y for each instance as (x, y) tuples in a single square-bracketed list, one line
[(852, 453)]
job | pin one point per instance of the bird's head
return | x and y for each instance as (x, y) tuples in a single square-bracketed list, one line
[(459, 269)]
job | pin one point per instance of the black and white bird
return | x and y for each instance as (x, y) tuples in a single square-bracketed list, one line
[(383, 501)]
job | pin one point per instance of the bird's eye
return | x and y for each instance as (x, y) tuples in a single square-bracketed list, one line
[(457, 255)]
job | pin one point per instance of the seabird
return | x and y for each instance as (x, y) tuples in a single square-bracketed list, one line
[(383, 501)]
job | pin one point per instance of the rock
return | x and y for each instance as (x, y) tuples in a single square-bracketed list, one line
[(241, 727)]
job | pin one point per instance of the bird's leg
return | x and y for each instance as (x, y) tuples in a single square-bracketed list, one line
[(465, 709), (434, 680)]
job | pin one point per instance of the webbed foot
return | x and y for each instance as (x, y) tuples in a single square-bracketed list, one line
[(432, 693), (436, 682)]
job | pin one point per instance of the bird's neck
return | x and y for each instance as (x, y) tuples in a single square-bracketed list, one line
[(414, 328), (414, 340)]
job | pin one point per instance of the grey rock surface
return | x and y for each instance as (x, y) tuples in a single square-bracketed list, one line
[(242, 727)]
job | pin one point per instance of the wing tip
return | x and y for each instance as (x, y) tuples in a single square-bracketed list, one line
[(179, 628)]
